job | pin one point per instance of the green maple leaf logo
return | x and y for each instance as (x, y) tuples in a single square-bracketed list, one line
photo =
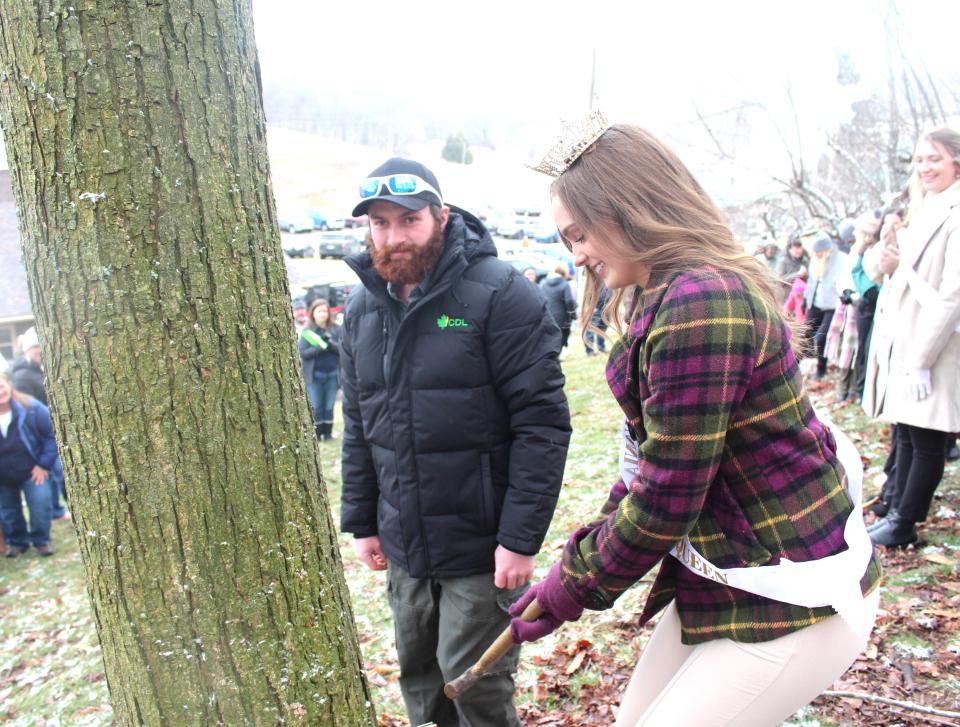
[(443, 321)]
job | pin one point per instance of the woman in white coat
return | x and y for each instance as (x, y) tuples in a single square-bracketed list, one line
[(913, 375)]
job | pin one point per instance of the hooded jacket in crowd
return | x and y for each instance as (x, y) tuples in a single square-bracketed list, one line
[(28, 378), (560, 300)]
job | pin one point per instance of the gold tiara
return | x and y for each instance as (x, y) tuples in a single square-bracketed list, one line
[(576, 138)]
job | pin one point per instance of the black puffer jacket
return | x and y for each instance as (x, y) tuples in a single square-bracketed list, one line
[(456, 425)]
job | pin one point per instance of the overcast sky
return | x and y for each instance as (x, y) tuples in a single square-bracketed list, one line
[(531, 59), (524, 65)]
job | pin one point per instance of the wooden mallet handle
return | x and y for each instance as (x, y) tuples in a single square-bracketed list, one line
[(491, 656)]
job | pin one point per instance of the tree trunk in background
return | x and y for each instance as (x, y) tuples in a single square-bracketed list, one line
[(136, 141)]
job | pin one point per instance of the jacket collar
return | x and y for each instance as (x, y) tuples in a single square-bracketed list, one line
[(933, 212), (19, 411)]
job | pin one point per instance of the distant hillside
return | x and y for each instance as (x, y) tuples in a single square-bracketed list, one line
[(310, 170)]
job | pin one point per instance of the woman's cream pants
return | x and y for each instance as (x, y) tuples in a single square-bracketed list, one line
[(725, 682)]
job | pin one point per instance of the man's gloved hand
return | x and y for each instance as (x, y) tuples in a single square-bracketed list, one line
[(557, 607), (846, 297), (921, 384)]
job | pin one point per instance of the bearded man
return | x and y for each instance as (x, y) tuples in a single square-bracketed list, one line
[(456, 429)]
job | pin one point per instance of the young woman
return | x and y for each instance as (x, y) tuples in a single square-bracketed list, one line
[(913, 368), (729, 480), (29, 465), (320, 352)]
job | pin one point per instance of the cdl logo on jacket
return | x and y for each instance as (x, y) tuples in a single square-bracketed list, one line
[(446, 321)]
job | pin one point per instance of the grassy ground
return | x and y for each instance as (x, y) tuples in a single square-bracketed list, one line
[(51, 672)]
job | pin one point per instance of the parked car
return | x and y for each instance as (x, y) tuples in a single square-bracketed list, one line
[(340, 245), (325, 220), (351, 222), (334, 291), (522, 223), (296, 222), (545, 231), (558, 254), (297, 247)]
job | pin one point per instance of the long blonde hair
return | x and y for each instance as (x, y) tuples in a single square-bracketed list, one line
[(22, 399), (635, 193)]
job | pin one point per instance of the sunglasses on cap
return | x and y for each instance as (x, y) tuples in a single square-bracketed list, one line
[(396, 184)]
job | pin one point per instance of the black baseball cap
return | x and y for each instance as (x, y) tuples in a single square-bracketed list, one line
[(411, 201)]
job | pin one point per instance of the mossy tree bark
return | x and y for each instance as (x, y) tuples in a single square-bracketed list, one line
[(136, 141)]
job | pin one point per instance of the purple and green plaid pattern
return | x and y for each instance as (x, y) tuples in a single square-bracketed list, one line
[(731, 454)]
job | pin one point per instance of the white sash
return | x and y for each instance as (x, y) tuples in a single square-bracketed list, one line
[(833, 580)]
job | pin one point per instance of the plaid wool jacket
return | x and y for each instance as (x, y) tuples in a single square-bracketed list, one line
[(731, 454)]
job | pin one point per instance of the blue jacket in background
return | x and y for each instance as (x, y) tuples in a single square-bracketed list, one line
[(36, 433)]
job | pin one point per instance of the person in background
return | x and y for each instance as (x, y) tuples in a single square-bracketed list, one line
[(841, 349), (29, 465), (300, 317), (560, 301), (456, 429), (867, 229), (793, 307), (870, 265), (530, 274), (913, 368), (320, 353), (821, 296), (726, 470), (594, 328), (27, 370), (29, 377), (794, 262), (846, 236), (769, 254)]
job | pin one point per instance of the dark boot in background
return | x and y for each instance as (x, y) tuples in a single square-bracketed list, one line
[(953, 452), (893, 531), (821, 368)]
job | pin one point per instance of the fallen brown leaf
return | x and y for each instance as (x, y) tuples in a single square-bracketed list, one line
[(575, 663)]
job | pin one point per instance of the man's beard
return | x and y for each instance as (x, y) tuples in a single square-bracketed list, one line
[(407, 270)]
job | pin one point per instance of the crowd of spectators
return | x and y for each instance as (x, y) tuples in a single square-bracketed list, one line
[(879, 299)]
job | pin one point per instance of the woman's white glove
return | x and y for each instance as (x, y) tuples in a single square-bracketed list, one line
[(920, 384)]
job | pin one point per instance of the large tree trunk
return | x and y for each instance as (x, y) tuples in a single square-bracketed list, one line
[(135, 136)]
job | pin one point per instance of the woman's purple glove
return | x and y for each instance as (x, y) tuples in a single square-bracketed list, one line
[(557, 607)]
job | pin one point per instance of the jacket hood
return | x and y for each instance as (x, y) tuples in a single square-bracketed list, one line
[(465, 238), (22, 362), (554, 281)]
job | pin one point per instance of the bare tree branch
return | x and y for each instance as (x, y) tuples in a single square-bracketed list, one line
[(857, 166), (796, 127), (713, 137), (911, 706), (935, 92), (931, 111)]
